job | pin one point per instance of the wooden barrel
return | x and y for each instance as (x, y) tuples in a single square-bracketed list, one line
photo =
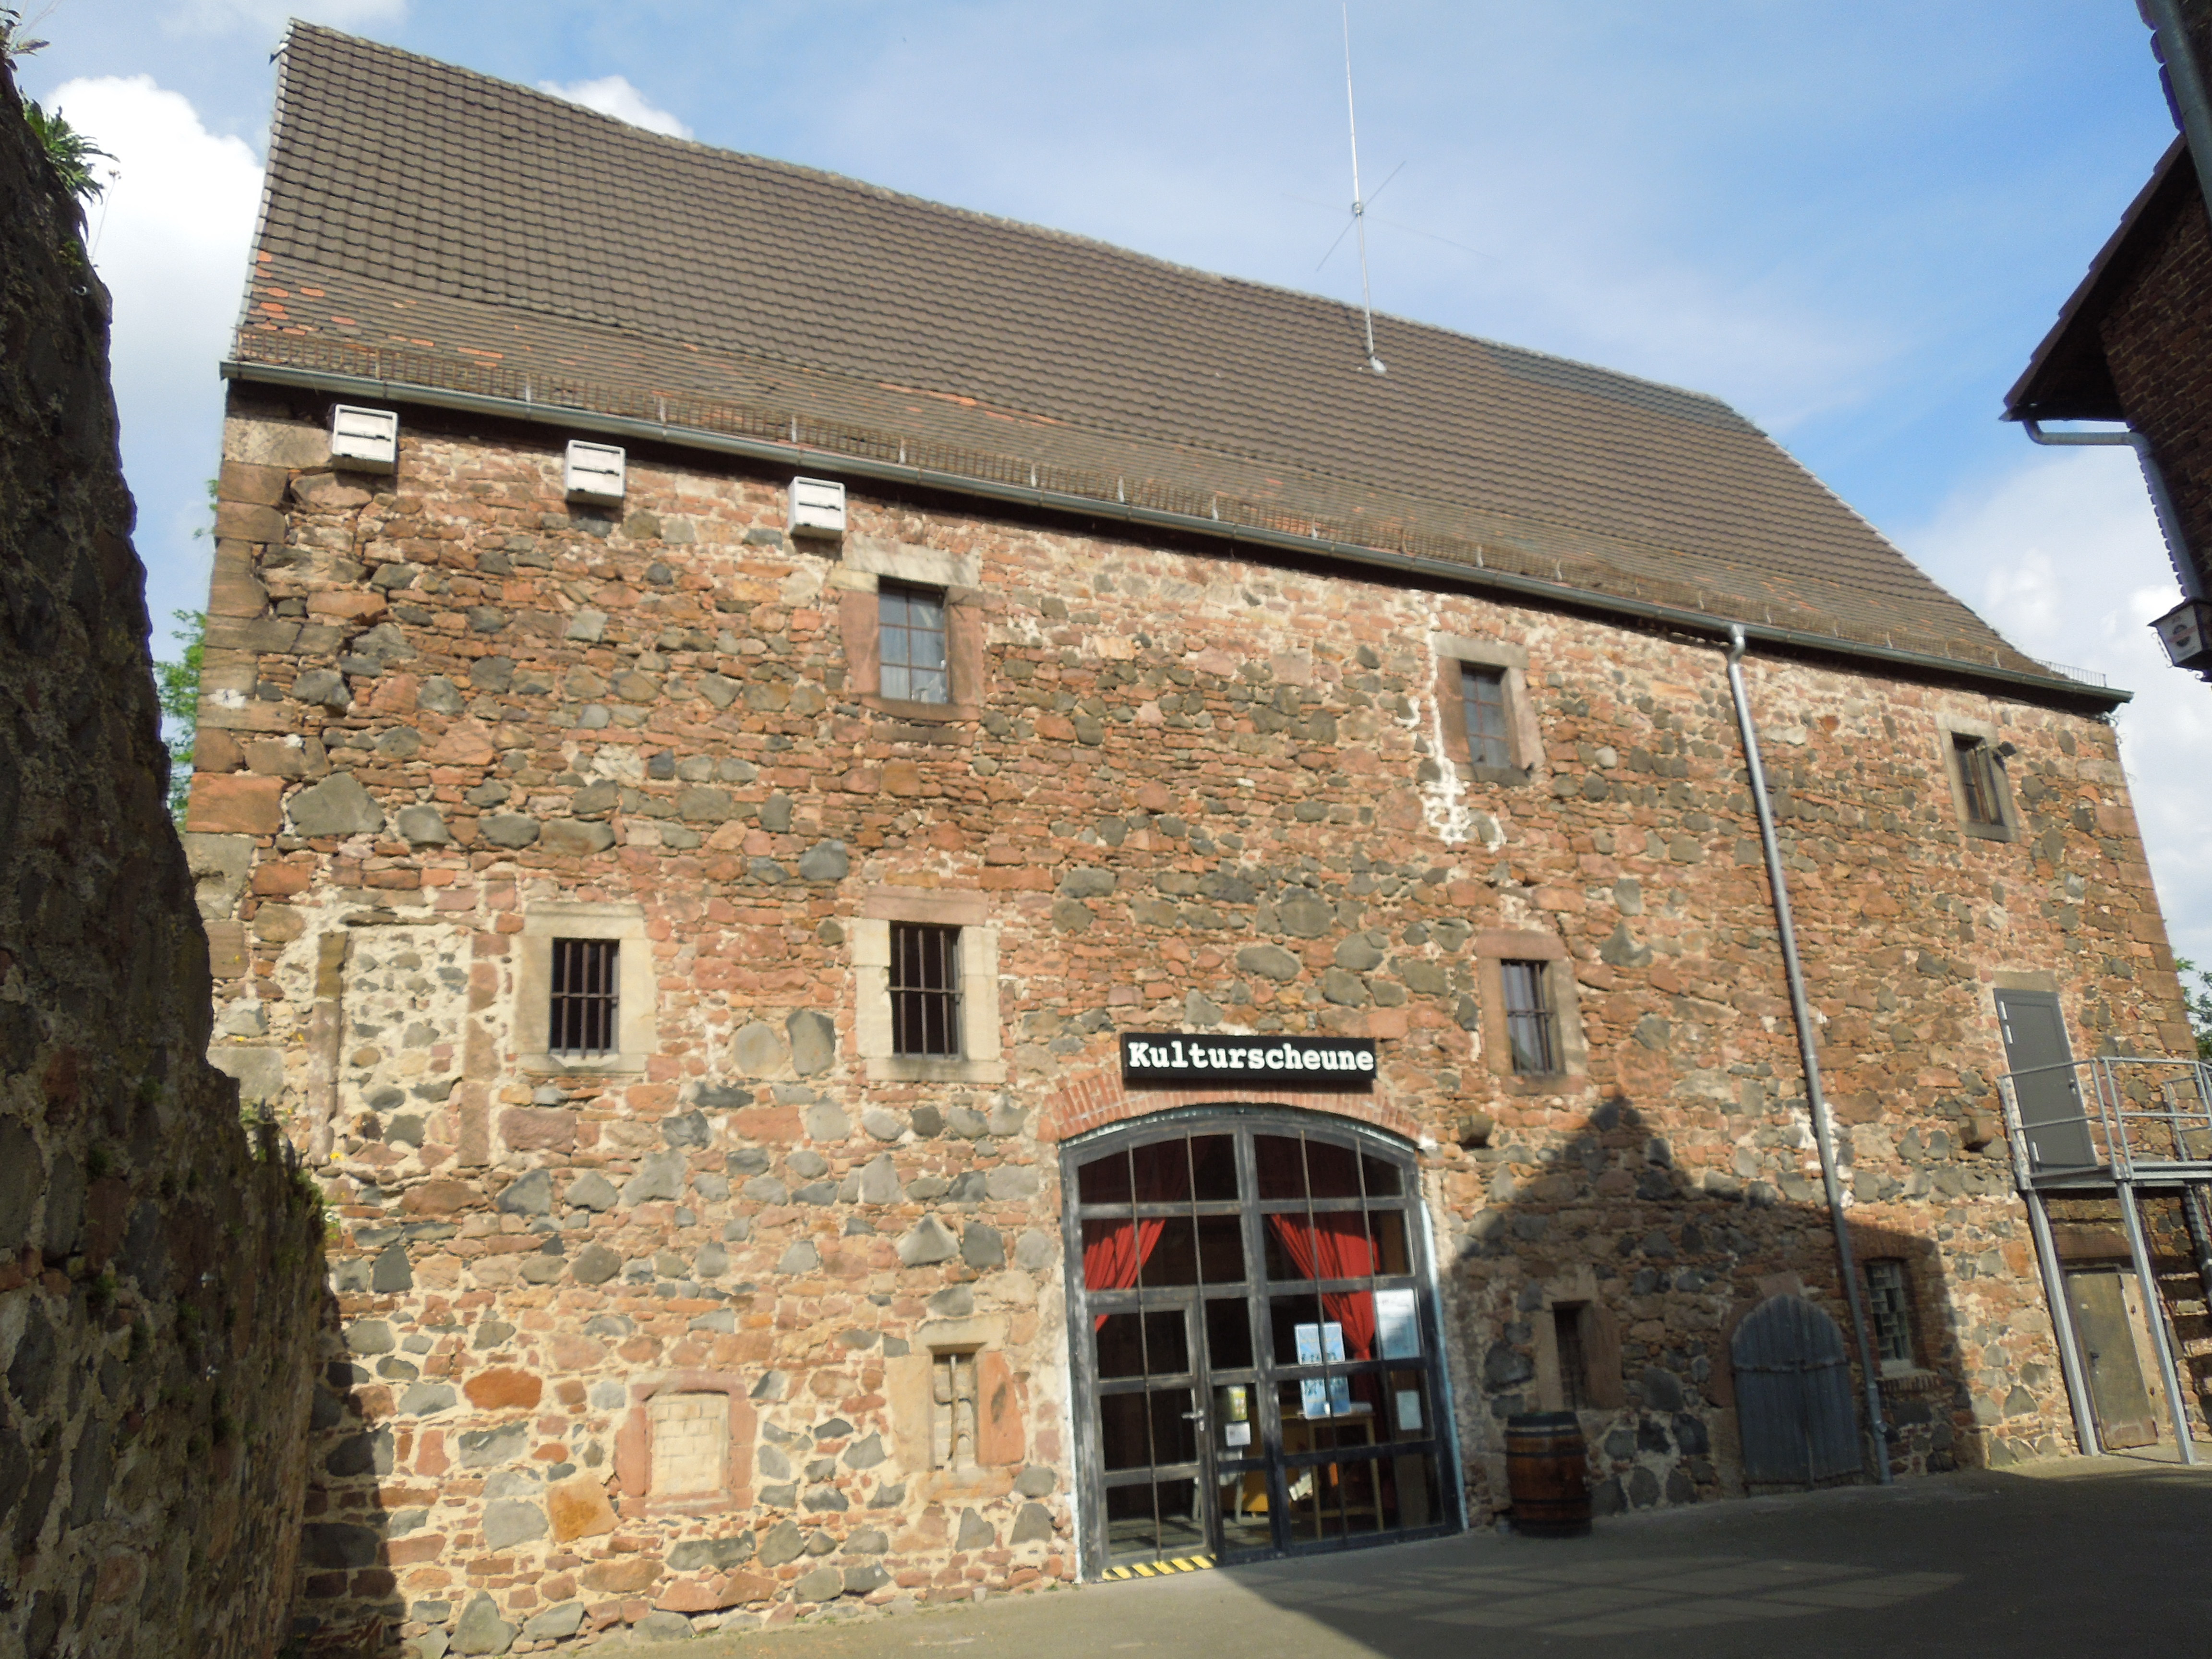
[(1545, 1463)]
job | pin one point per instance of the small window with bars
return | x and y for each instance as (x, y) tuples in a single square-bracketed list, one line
[(925, 985), (1892, 1306), (586, 998), (952, 1411), (1979, 796), (911, 644), (1574, 1358), (1532, 1033), (1482, 698)]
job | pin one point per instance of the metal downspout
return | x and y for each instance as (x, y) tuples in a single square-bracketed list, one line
[(2169, 521), (2178, 53), (1801, 1010)]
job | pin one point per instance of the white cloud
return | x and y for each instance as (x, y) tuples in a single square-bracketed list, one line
[(221, 16), (170, 239), (2065, 558), (612, 94)]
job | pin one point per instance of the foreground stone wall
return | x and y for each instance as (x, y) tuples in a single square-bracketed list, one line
[(1192, 793), (160, 1280)]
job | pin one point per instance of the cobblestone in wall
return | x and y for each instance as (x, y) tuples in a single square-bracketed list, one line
[(159, 1279), (1196, 792)]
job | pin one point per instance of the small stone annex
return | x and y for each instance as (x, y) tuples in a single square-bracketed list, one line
[(950, 910)]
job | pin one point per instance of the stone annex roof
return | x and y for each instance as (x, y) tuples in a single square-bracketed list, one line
[(427, 227)]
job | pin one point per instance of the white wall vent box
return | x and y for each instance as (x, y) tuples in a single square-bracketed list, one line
[(365, 439), (818, 507), (594, 471)]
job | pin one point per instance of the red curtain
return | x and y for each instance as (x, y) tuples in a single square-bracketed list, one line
[(1345, 1251), (1112, 1261)]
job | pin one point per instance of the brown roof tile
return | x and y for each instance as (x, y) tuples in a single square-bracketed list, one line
[(428, 225)]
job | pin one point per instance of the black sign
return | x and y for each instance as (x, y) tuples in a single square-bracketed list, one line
[(1174, 1059)]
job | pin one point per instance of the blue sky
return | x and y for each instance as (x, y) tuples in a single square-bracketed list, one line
[(1854, 221)]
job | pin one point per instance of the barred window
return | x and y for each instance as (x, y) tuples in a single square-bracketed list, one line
[(1531, 1027), (585, 993), (1482, 697), (925, 986), (911, 644), (952, 1411), (1574, 1359), (1977, 781), (1892, 1313)]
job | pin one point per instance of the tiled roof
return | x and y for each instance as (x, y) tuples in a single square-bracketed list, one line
[(430, 226)]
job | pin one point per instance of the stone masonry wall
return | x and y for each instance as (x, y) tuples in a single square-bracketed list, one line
[(1196, 792), (160, 1280)]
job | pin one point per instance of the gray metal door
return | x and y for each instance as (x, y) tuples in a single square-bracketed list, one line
[(1793, 1395), (2050, 1112)]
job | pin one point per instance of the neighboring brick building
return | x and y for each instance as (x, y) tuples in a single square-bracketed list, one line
[(2133, 343), (705, 943)]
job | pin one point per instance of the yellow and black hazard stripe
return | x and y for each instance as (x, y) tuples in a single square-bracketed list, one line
[(1159, 1569)]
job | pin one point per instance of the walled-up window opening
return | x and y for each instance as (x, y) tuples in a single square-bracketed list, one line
[(1482, 697), (1574, 1358), (953, 1410), (911, 624), (1979, 786), (586, 991), (690, 1445), (925, 989), (1892, 1313), (1531, 1025)]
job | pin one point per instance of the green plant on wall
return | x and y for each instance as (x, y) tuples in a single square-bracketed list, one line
[(177, 685), (68, 152), (14, 46), (2196, 997)]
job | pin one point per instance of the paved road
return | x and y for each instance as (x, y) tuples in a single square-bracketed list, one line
[(2078, 1558)]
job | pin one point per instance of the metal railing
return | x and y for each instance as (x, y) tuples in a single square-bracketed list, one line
[(2134, 1115)]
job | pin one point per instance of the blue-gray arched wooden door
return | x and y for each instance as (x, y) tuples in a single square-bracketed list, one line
[(1793, 1395)]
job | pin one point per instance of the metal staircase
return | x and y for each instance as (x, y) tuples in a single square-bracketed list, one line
[(2116, 1125)]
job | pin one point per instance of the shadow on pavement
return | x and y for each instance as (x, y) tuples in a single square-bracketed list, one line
[(2072, 1558)]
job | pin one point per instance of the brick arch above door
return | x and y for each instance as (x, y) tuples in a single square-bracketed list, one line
[(1097, 1099)]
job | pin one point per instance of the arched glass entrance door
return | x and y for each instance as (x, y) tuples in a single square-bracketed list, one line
[(1255, 1358)]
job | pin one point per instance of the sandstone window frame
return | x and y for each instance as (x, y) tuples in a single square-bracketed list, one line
[(1495, 947), (981, 1059), (1000, 1444), (637, 1026), (1455, 654), (1954, 734), (863, 569), (634, 1445)]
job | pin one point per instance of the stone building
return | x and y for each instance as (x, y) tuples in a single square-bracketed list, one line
[(951, 910)]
